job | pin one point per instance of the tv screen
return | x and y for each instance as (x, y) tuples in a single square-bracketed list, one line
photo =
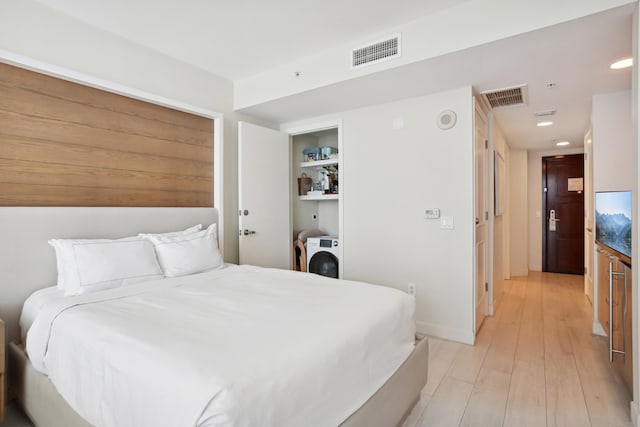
[(613, 220)]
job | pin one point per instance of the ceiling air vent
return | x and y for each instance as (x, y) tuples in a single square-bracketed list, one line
[(507, 97), (376, 52)]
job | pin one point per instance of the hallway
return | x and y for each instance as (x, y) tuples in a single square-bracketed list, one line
[(535, 363)]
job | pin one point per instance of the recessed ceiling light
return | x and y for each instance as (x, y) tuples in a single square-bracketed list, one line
[(562, 143), (623, 63), (542, 124)]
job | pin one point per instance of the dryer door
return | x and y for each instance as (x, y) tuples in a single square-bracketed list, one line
[(324, 264)]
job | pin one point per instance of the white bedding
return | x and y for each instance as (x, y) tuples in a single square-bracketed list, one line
[(240, 346), (34, 304)]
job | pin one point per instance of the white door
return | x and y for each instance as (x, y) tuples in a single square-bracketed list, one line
[(482, 216), (264, 196)]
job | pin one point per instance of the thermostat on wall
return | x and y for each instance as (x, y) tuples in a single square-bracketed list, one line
[(433, 213)]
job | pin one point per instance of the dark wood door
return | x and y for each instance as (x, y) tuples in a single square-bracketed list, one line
[(563, 203)]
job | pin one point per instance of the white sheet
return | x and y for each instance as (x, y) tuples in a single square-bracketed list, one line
[(34, 304), (241, 346)]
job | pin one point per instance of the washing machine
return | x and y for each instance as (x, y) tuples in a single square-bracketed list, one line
[(323, 256)]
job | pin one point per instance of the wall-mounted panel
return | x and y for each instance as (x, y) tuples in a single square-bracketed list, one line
[(65, 144)]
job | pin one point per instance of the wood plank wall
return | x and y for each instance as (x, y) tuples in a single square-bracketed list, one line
[(65, 144)]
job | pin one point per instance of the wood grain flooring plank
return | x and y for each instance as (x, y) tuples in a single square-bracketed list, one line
[(542, 352), (414, 418), (526, 405), (466, 365), (566, 404), (447, 405), (444, 354), (606, 396)]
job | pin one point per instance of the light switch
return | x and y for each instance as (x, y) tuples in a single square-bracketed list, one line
[(397, 123), (446, 223)]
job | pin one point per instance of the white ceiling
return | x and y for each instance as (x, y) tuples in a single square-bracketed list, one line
[(575, 56), (239, 38), (236, 39)]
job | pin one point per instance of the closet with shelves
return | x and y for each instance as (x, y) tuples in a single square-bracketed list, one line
[(315, 207)]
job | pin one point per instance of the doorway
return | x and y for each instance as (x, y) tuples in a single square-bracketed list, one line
[(563, 204)]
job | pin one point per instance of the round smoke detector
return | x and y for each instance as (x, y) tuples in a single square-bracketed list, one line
[(446, 119)]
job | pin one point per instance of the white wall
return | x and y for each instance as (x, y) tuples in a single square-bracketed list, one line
[(519, 214), (635, 141), (443, 32), (390, 177), (535, 214), (615, 167), (32, 30), (613, 150)]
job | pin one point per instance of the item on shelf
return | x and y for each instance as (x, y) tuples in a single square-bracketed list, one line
[(315, 193), (328, 153), (326, 182), (304, 184), (311, 154)]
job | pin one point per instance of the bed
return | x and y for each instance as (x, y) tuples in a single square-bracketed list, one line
[(352, 395)]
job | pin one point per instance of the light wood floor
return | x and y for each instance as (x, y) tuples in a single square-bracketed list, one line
[(535, 363)]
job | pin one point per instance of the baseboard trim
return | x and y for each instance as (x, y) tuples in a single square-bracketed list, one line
[(446, 333), (633, 412), (518, 272), (598, 329)]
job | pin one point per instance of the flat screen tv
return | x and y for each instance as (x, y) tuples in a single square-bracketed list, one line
[(613, 220)]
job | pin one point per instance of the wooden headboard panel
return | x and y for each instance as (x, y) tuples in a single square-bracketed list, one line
[(65, 144)]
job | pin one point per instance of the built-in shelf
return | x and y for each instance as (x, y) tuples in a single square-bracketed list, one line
[(319, 163), (321, 196)]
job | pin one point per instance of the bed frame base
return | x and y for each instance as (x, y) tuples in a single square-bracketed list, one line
[(393, 402), (389, 406), (36, 394)]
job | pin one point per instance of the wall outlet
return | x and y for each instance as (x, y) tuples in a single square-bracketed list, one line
[(411, 289), (446, 223)]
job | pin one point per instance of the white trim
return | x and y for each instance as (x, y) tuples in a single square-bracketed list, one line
[(218, 173), (315, 127), (95, 82), (633, 410), (597, 329), (519, 272), (444, 332)]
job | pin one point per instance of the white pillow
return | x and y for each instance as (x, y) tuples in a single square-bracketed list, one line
[(187, 254), (189, 230), (88, 265)]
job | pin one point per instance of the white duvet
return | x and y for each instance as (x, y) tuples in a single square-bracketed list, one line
[(241, 346)]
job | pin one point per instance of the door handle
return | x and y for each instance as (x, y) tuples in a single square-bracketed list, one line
[(247, 232)]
